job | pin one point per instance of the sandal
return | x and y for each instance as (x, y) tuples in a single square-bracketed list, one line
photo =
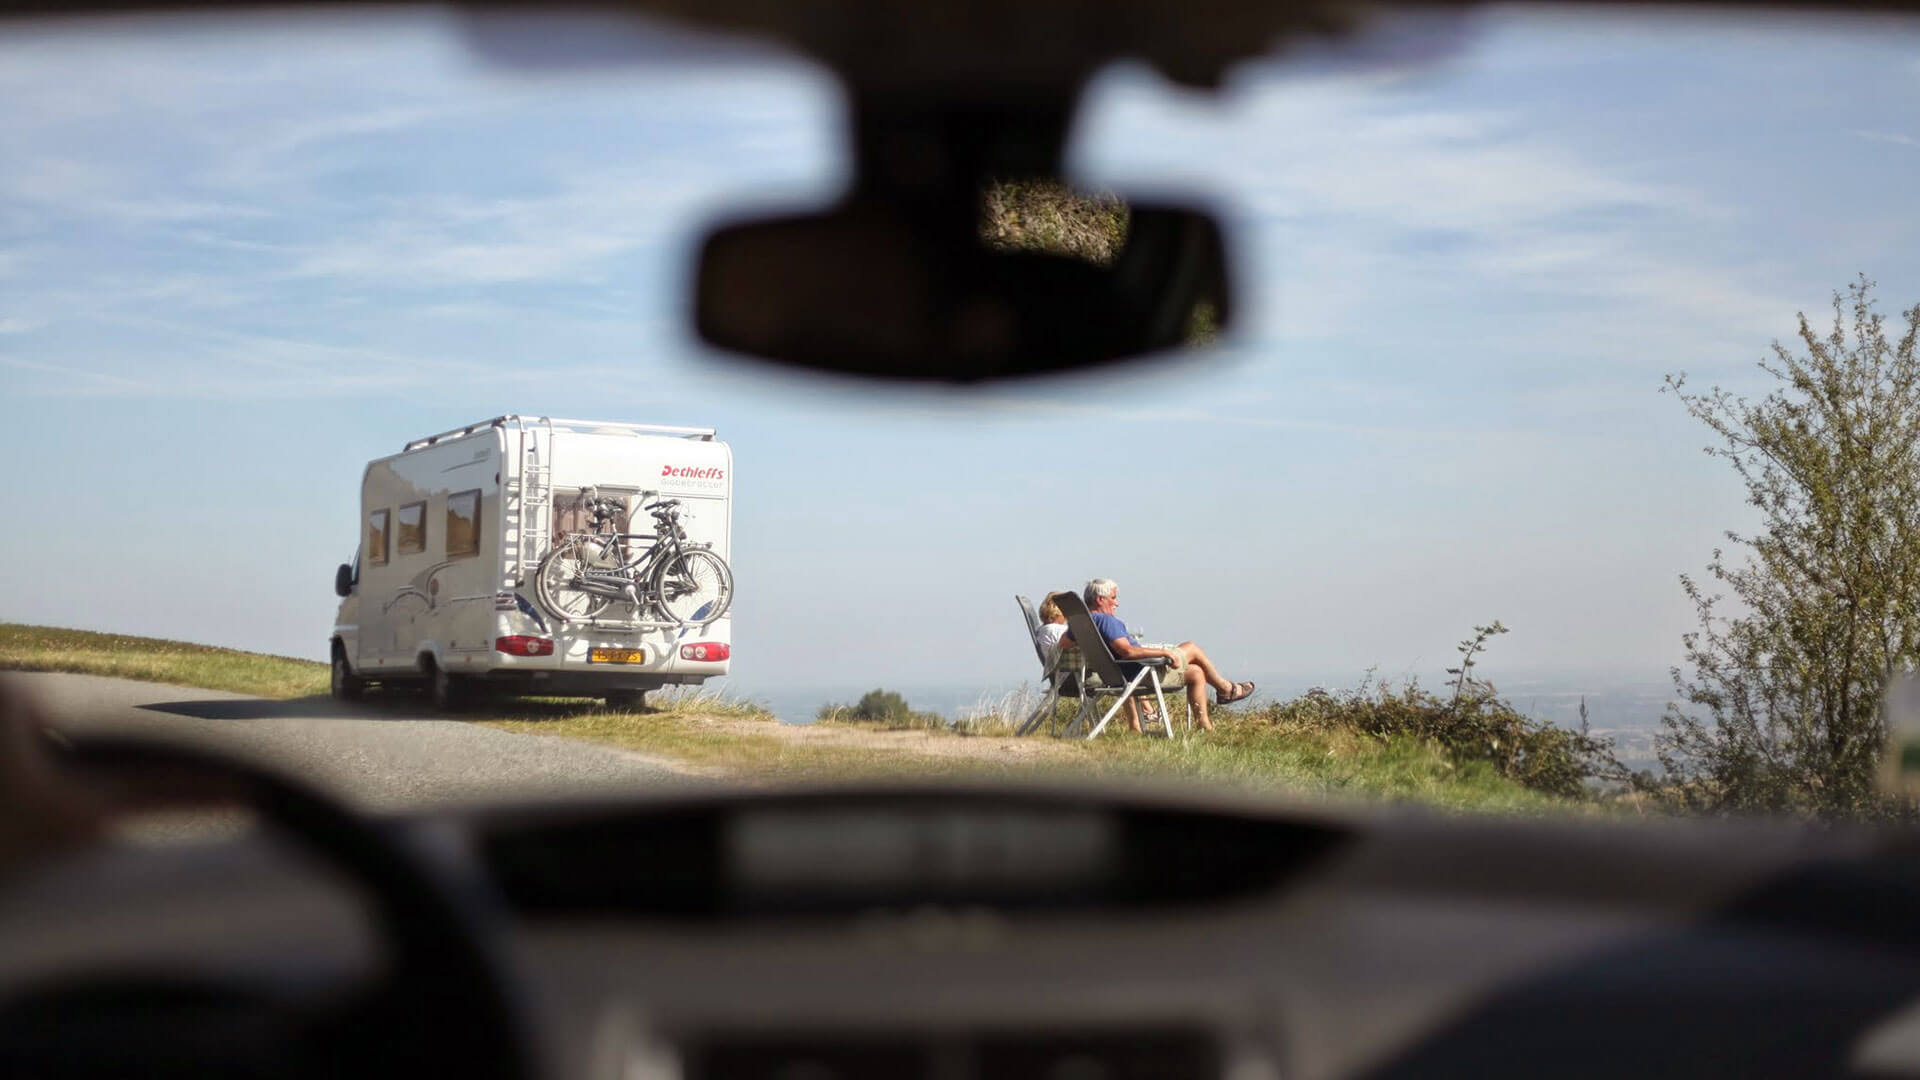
[(1237, 695)]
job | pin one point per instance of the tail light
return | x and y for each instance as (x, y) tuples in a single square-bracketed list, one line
[(523, 645), (706, 650)]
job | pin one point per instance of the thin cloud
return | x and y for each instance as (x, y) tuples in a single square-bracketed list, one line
[(1885, 137), (74, 377), (467, 240)]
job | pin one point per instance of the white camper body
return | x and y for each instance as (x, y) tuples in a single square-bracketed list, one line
[(452, 530)]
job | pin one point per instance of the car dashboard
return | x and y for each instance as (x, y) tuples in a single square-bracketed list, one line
[(1060, 932)]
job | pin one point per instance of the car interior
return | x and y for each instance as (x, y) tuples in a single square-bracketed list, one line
[(946, 930)]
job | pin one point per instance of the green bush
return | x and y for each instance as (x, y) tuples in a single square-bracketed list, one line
[(1476, 726), (884, 707)]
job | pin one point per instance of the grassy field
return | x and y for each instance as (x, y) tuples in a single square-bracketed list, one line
[(43, 648), (713, 734)]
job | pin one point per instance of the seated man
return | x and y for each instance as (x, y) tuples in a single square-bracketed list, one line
[(1052, 637), (1103, 597)]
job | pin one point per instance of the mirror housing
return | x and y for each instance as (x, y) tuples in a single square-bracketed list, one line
[(871, 288), (343, 581)]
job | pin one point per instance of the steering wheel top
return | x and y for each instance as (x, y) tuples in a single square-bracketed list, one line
[(446, 1006)]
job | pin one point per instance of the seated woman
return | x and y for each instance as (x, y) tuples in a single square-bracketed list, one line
[(1053, 627)]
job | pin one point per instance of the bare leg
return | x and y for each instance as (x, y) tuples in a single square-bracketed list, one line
[(1197, 704), (1133, 716)]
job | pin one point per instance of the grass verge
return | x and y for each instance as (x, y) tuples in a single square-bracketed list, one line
[(123, 656), (1246, 754)]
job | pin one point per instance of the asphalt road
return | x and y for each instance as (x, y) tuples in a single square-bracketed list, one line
[(375, 760)]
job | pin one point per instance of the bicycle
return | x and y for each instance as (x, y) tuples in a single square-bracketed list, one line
[(586, 573)]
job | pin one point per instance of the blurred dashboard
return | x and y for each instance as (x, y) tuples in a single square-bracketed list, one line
[(978, 932)]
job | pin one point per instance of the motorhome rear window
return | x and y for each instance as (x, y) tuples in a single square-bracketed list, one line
[(463, 523), (412, 532), (377, 538)]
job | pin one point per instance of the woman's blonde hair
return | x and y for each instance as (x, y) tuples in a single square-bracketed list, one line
[(1050, 608)]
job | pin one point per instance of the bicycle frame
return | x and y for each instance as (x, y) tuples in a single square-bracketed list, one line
[(614, 582), (629, 573)]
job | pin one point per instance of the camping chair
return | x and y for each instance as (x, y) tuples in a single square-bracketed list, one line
[(1090, 673), (1048, 666), (1059, 672)]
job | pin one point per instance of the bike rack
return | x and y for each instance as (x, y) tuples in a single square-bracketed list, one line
[(624, 627)]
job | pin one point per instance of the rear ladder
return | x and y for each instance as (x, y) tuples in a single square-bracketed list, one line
[(529, 510)]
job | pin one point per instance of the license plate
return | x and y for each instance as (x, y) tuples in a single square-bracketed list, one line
[(617, 656)]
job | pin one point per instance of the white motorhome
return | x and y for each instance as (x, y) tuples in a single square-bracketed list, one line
[(452, 533)]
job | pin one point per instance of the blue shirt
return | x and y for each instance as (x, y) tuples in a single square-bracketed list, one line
[(1111, 628)]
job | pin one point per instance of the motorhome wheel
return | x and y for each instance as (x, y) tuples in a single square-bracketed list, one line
[(345, 685), (447, 689)]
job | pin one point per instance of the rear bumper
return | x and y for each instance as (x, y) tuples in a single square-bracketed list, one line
[(581, 682)]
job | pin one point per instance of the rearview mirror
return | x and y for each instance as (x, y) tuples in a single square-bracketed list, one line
[(343, 580), (868, 288)]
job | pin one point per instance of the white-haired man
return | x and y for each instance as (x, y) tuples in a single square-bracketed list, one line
[(1103, 600)]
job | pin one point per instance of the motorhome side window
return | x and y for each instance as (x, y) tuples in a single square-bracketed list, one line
[(463, 523), (412, 528), (377, 538)]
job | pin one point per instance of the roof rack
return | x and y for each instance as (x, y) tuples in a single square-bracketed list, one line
[(557, 424)]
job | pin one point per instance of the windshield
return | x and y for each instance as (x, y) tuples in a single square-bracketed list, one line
[(1431, 522)]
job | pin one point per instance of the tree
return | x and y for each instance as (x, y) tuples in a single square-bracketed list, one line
[(1782, 710), (1050, 217)]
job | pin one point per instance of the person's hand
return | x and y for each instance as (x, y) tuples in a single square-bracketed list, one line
[(41, 812)]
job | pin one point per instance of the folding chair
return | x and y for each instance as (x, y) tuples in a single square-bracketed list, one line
[(1047, 666), (1097, 674)]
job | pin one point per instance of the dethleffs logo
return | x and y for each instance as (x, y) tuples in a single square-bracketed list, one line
[(690, 472)]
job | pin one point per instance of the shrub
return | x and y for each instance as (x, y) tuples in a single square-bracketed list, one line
[(1474, 724), (885, 707), (1481, 727)]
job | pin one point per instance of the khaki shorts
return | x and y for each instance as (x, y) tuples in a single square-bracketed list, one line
[(1171, 680), (1179, 661), (1174, 675)]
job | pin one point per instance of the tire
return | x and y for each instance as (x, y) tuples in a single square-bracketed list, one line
[(444, 688), (627, 700), (344, 685), (553, 584), (693, 588)]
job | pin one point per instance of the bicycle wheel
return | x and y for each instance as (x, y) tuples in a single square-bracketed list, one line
[(693, 588), (556, 582)]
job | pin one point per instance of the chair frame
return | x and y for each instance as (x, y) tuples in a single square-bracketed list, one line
[(1097, 674)]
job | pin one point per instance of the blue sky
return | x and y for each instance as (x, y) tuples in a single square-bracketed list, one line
[(238, 260)]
